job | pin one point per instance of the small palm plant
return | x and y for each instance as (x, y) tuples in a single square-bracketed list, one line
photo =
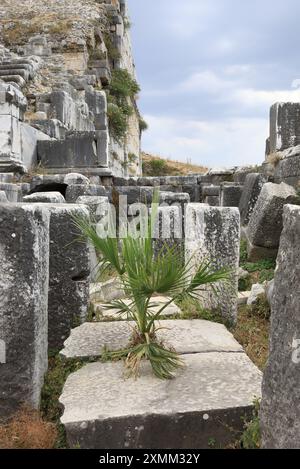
[(145, 273)]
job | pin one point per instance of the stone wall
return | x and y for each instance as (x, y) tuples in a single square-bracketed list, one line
[(58, 56)]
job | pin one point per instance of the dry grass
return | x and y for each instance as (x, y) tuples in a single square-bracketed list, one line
[(274, 158), (20, 29), (168, 167), (252, 332), (27, 430)]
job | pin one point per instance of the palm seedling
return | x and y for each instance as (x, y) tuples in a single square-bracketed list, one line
[(145, 273)]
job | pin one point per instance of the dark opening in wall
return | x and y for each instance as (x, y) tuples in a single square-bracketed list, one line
[(50, 187)]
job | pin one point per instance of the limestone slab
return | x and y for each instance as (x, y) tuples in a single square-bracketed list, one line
[(209, 396), (186, 336)]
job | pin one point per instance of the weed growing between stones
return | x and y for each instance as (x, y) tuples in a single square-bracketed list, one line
[(251, 438), (252, 332), (144, 274), (121, 92), (58, 371)]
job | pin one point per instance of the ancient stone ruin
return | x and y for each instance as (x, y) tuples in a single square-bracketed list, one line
[(62, 156)]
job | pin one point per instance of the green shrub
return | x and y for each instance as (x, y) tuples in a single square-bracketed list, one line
[(132, 158), (143, 275), (264, 264), (251, 438), (117, 122), (155, 167), (123, 85), (245, 284), (266, 276), (112, 51), (243, 251), (143, 125), (121, 91), (261, 307)]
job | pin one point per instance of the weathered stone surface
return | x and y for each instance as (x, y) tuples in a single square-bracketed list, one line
[(231, 195), (265, 224), (7, 177), (288, 168), (168, 229), (280, 411), (186, 336), (212, 200), (45, 197), (24, 267), (102, 410), (270, 291), (284, 126), (256, 290), (253, 185), (76, 178), (210, 190), (69, 272), (243, 297), (107, 291), (213, 234), (13, 191), (171, 198), (98, 206), (3, 198), (74, 191), (78, 150)]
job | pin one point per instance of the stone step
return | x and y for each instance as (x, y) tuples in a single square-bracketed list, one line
[(243, 297), (205, 402), (158, 302), (185, 336)]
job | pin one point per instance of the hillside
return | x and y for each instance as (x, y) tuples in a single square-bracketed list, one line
[(157, 166)]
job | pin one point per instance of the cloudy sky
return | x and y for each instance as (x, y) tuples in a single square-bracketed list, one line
[(210, 70)]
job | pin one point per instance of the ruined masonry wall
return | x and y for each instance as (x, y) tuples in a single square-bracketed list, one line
[(60, 55)]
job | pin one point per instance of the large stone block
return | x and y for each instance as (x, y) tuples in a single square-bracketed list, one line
[(265, 224), (78, 150), (74, 191), (253, 185), (213, 234), (284, 126), (210, 395), (45, 197), (168, 229), (3, 198), (280, 410), (24, 267), (69, 273), (13, 191), (231, 194), (185, 336)]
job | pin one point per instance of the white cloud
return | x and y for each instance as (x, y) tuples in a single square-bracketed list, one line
[(206, 81), (263, 98), (211, 143)]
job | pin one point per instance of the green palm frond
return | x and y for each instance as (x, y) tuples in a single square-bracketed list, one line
[(145, 273)]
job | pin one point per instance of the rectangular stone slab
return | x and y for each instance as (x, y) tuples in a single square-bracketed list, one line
[(280, 411), (24, 276), (186, 336), (208, 399)]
